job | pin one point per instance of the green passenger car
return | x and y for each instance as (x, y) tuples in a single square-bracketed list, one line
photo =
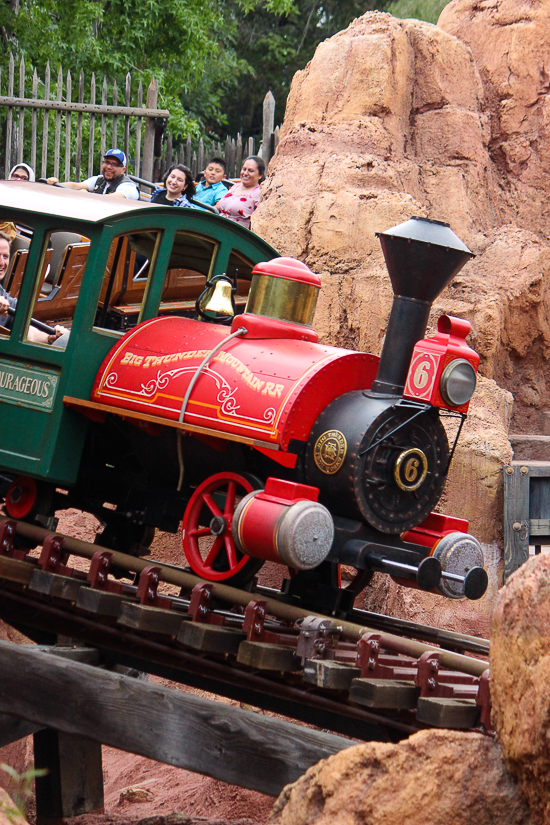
[(98, 265)]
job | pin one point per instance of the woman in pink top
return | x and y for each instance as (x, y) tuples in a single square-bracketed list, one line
[(243, 198)]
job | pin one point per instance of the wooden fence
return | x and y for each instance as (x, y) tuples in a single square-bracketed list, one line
[(140, 125), (72, 147)]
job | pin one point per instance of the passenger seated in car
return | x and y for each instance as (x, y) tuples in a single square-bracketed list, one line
[(242, 199), (211, 189), (6, 301), (5, 241), (22, 172), (113, 179), (177, 189)]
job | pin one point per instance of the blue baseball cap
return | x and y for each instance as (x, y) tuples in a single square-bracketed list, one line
[(116, 153)]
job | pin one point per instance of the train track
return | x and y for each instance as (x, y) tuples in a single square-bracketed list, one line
[(371, 677)]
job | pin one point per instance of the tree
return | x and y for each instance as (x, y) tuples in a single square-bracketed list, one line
[(276, 46), (185, 44)]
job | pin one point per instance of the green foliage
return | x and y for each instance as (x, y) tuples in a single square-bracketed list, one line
[(23, 788), (185, 44), (428, 10)]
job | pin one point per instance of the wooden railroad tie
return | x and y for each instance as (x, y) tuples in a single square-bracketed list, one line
[(331, 675), (267, 656), (101, 602), (150, 619), (52, 584), (210, 638), (387, 694), (440, 712)]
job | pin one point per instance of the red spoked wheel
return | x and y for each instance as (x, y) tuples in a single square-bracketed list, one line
[(207, 541), (21, 498)]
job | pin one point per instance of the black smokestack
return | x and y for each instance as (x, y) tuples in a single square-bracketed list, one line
[(422, 257)]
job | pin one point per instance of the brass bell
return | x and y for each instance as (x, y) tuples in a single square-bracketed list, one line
[(216, 302)]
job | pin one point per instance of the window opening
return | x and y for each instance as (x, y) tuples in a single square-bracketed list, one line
[(129, 264)]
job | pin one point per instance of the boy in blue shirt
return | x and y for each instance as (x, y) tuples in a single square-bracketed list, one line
[(211, 189)]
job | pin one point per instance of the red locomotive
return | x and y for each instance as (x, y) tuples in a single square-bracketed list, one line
[(347, 450), (272, 446)]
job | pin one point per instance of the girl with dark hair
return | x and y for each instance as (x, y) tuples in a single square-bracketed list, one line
[(178, 188), (243, 198)]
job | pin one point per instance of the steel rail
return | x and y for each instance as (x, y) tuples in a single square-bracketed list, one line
[(282, 610)]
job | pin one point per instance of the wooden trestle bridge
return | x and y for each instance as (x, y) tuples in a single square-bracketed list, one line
[(368, 677)]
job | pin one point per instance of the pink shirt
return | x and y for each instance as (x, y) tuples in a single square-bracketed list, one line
[(239, 204)]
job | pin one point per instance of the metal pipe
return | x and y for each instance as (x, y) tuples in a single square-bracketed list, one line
[(406, 326), (280, 609)]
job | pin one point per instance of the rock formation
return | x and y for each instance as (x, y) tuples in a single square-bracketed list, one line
[(393, 118), (520, 680), (510, 44), (435, 776)]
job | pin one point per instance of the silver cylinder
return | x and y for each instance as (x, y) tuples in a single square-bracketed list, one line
[(305, 533)]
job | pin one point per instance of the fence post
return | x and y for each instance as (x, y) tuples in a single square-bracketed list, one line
[(69, 95), (44, 163), (9, 121), (128, 100), (149, 139), (78, 160), (201, 156), (19, 156), (137, 166), (269, 125), (238, 155), (103, 132), (92, 130), (34, 117), (57, 138)]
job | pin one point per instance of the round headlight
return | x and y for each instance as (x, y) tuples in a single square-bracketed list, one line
[(458, 382)]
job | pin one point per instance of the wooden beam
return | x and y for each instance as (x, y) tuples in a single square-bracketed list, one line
[(516, 517), (227, 743), (13, 729), (95, 108)]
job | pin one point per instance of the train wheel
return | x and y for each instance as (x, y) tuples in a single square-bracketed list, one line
[(25, 498), (207, 541)]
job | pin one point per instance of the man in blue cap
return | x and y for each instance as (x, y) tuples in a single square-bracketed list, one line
[(112, 181)]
